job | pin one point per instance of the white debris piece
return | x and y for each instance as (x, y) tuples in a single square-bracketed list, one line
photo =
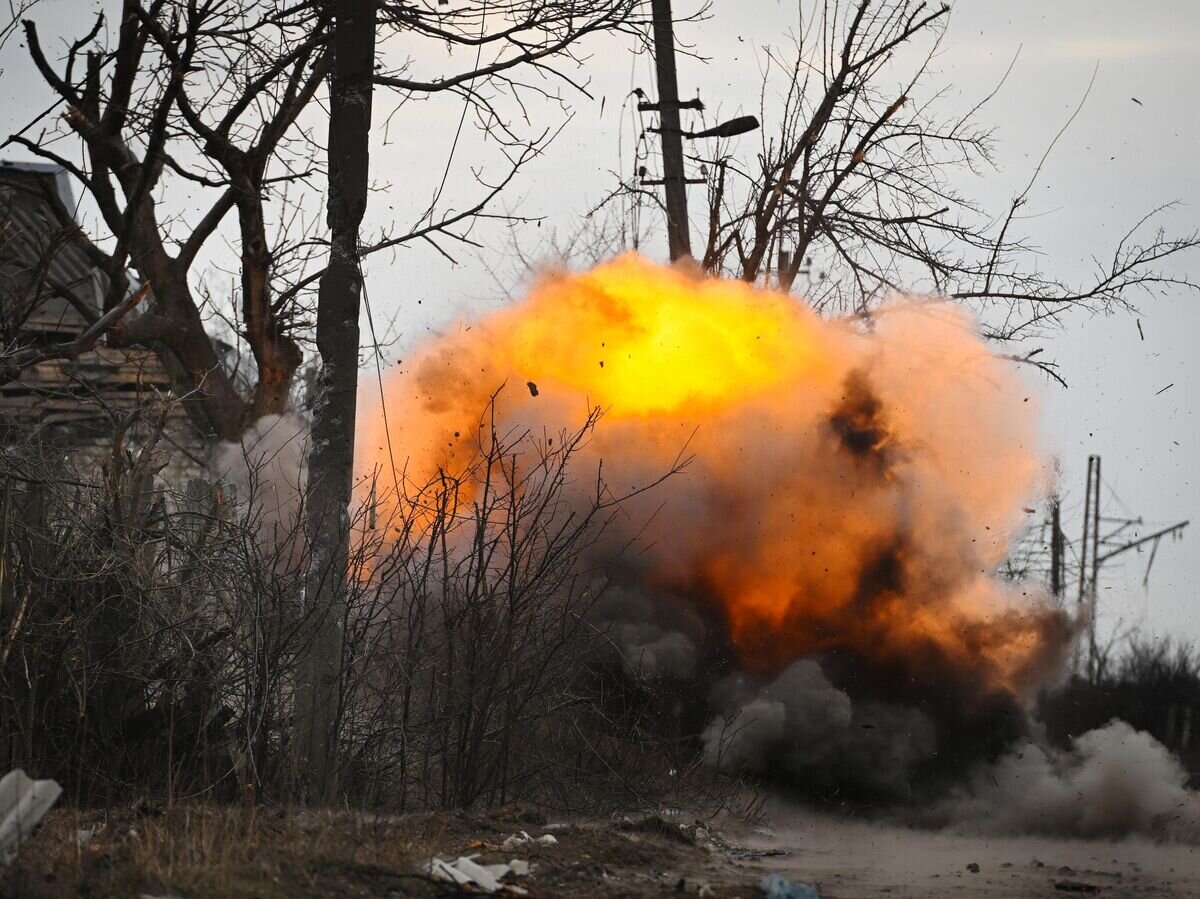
[(517, 839), (519, 867), (522, 838), (23, 802), (465, 870)]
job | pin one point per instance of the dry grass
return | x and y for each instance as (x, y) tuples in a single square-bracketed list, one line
[(205, 851), (210, 851)]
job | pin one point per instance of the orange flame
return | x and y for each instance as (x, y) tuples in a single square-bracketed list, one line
[(854, 485)]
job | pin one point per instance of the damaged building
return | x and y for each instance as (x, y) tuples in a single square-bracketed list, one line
[(68, 402)]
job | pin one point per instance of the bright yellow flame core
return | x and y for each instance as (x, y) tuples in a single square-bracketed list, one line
[(651, 341)]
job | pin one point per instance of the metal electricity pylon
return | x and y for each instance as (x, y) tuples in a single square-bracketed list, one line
[(1103, 539)]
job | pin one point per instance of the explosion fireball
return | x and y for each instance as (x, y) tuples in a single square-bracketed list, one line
[(853, 485)]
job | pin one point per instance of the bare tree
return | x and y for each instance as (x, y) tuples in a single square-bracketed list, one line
[(331, 464), (205, 95), (212, 96), (207, 99), (529, 34)]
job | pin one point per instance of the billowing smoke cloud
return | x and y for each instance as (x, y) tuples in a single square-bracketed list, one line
[(799, 725), (819, 582), (656, 637), (1114, 781)]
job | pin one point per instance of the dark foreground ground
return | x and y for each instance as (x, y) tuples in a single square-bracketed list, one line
[(205, 852), (193, 852)]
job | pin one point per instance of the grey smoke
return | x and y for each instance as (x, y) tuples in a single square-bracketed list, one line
[(1113, 782), (801, 725), (657, 636), (268, 472)]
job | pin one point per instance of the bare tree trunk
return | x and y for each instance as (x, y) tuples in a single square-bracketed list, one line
[(331, 459)]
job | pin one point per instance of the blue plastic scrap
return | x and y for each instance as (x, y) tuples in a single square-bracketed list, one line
[(776, 886)]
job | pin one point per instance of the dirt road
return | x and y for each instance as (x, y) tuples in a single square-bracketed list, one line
[(853, 860)]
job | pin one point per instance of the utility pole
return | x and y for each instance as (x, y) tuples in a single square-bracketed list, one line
[(674, 179), (1095, 550), (671, 134), (1058, 562), (1085, 605)]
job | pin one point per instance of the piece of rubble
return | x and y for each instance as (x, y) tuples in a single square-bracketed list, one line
[(465, 871), (523, 838), (23, 802), (518, 867)]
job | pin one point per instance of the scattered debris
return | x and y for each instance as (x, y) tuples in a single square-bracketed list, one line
[(533, 391), (658, 826), (973, 867), (523, 838), (465, 870), (776, 886), (714, 842), (23, 802), (1075, 886)]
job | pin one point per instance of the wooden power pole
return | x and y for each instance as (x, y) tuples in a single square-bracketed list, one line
[(674, 178)]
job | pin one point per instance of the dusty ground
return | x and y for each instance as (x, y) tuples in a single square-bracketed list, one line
[(202, 852), (849, 859)]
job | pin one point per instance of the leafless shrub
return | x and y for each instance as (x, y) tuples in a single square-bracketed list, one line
[(473, 650), (150, 636)]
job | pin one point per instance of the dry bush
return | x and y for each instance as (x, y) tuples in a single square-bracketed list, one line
[(472, 645), (147, 632), (150, 636)]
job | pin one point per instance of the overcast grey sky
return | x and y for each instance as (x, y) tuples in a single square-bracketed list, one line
[(1120, 159)]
